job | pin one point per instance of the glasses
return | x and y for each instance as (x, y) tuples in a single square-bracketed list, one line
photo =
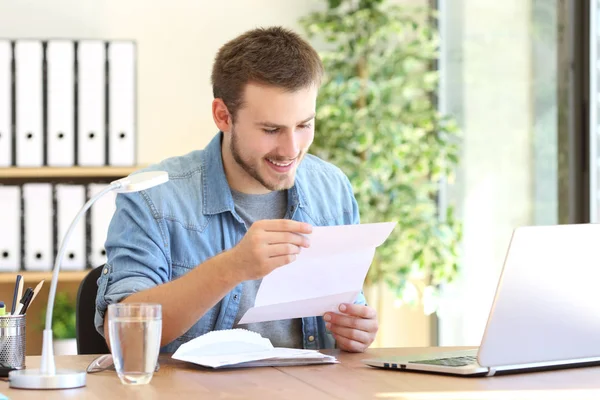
[(105, 363)]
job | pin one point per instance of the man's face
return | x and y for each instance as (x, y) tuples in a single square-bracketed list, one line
[(272, 132)]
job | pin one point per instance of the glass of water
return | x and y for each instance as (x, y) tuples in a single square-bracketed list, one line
[(134, 331)]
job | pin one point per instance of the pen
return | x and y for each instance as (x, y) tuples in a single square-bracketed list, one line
[(16, 295), (27, 302), (24, 300), (21, 285)]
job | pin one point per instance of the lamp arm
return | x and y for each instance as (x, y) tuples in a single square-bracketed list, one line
[(47, 364)]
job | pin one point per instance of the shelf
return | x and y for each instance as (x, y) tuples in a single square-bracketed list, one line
[(66, 172), (36, 276)]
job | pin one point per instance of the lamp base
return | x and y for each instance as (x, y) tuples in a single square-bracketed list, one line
[(35, 379)]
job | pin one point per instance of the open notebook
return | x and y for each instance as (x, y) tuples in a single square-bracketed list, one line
[(236, 348)]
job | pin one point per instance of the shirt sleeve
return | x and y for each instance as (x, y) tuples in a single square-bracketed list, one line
[(136, 253)]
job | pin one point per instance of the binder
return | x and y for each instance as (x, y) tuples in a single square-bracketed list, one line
[(69, 200), (38, 222), (100, 215), (10, 228), (91, 126), (6, 134), (28, 103), (60, 63), (121, 103)]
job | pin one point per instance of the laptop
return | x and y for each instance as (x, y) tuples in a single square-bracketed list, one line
[(545, 314)]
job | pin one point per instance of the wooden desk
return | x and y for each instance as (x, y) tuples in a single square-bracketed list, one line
[(348, 380)]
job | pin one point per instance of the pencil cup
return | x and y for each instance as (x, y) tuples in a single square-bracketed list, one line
[(12, 340)]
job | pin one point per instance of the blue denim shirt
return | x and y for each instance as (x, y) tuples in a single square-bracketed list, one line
[(160, 234)]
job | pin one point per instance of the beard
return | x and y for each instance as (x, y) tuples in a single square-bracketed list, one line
[(253, 167)]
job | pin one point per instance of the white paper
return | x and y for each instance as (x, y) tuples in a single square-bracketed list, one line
[(331, 271), (239, 347)]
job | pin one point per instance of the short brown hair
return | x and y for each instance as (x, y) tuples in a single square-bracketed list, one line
[(272, 56)]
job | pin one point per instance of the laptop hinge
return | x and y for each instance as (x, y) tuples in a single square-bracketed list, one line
[(491, 372)]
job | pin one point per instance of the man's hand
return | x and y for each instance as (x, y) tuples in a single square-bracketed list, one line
[(354, 329), (267, 245)]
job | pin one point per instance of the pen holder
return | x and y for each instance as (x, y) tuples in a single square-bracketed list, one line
[(12, 340)]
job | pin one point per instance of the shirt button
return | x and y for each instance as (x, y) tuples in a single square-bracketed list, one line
[(311, 338), (105, 271), (235, 297)]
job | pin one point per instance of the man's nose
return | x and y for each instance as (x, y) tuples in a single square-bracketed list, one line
[(289, 145)]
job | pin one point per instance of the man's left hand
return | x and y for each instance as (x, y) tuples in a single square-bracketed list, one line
[(355, 328)]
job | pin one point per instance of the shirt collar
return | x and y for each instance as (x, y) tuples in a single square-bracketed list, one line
[(216, 194)]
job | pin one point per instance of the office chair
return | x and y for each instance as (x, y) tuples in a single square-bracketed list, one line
[(89, 341)]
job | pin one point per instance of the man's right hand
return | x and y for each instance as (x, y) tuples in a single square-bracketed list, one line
[(267, 245)]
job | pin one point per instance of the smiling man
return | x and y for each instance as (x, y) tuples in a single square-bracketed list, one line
[(233, 212)]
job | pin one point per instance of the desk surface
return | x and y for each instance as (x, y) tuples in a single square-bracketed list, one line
[(348, 380)]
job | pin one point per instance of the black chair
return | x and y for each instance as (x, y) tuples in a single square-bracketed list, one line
[(89, 341)]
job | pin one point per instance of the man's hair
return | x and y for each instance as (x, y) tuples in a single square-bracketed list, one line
[(272, 56)]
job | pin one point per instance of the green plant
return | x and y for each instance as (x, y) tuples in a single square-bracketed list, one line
[(378, 121), (63, 317)]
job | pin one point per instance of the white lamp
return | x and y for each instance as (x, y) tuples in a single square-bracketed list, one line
[(47, 376)]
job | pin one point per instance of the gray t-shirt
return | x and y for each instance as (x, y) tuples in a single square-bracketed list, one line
[(273, 205)]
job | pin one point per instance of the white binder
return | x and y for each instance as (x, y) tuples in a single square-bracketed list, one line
[(6, 138), (101, 214), (69, 200), (91, 127), (38, 218), (10, 228), (121, 103), (60, 64), (28, 103)]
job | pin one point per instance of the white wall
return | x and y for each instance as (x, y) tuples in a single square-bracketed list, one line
[(177, 41)]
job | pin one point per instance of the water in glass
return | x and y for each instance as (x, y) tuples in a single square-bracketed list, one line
[(135, 332)]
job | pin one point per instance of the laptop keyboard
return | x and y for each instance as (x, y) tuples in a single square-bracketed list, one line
[(449, 362)]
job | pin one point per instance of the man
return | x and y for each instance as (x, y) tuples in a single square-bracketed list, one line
[(230, 214)]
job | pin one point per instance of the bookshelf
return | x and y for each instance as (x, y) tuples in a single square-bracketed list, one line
[(20, 173), (36, 276), (68, 281)]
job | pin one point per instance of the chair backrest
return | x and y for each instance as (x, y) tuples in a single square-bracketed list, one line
[(89, 341)]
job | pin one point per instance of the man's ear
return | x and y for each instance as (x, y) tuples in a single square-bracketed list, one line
[(221, 115)]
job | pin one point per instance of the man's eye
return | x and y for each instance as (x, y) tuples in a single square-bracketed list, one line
[(305, 126), (273, 130)]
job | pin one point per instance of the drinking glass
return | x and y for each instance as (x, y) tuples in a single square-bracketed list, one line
[(134, 331)]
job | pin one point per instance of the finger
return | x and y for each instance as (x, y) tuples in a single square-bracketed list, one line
[(280, 261), (286, 225), (282, 249), (287, 237), (349, 344), (358, 310), (352, 334), (366, 325)]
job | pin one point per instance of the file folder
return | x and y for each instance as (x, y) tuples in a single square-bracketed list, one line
[(6, 134), (38, 223), (91, 125), (101, 214), (10, 228), (69, 200), (121, 103), (60, 64), (29, 103)]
